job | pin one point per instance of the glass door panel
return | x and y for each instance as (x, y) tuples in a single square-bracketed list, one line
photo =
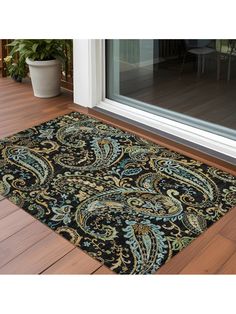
[(189, 81)]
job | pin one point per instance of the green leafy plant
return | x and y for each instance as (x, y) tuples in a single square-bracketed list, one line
[(16, 69), (38, 49)]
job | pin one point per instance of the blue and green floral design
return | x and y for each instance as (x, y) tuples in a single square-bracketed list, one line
[(127, 202)]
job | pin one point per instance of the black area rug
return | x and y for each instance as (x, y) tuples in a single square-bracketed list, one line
[(127, 202)]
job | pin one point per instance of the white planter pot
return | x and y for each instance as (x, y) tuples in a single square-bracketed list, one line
[(45, 77)]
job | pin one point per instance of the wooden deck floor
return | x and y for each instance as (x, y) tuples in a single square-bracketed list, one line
[(29, 247)]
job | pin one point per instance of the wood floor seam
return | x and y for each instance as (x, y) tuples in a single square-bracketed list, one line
[(40, 273), (28, 251), (202, 250), (226, 237), (16, 231), (10, 213), (201, 253), (25, 249), (97, 269), (222, 266)]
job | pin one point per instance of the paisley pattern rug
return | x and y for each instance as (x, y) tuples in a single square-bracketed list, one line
[(127, 202)]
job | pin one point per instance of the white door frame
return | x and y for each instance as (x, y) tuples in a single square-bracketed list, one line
[(89, 91)]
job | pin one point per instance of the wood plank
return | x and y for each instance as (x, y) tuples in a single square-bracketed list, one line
[(229, 267), (7, 208), (13, 223), (75, 262), (39, 256), (229, 231), (104, 271), (181, 260), (208, 261), (22, 240)]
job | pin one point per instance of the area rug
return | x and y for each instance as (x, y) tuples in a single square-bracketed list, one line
[(126, 201)]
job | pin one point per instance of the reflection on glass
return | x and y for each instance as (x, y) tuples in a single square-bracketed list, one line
[(191, 81)]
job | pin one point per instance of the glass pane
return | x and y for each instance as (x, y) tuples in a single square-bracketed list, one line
[(190, 81)]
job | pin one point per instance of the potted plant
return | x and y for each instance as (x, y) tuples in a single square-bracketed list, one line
[(44, 58)]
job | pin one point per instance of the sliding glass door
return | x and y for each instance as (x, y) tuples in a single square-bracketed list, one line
[(189, 81)]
